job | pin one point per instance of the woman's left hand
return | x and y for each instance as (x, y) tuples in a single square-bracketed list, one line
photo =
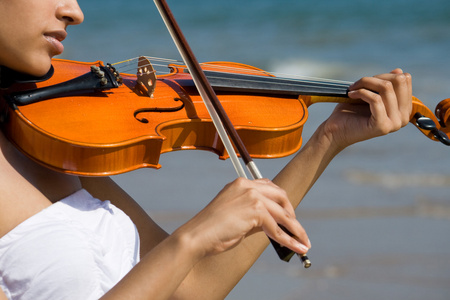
[(389, 99)]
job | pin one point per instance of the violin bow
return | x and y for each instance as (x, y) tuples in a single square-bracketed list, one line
[(218, 115)]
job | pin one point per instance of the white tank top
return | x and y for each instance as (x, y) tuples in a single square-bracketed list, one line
[(78, 248)]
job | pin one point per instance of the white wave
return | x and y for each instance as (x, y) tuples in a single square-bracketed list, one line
[(317, 69)]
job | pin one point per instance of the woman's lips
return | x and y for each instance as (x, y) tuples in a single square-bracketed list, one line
[(55, 39)]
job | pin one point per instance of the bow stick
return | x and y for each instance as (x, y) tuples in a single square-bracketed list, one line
[(218, 115)]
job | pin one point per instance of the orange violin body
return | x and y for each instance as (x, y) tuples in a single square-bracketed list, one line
[(112, 131)]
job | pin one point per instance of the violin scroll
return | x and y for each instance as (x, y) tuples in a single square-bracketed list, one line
[(433, 126), (443, 114)]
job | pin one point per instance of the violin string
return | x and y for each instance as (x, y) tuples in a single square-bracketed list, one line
[(278, 76), (297, 84), (285, 81), (252, 74), (257, 72)]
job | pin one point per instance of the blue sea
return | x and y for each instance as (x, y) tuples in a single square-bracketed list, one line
[(379, 218)]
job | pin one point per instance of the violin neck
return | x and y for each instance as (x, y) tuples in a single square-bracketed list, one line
[(232, 82)]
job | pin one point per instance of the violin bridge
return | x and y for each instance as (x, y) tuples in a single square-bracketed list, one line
[(146, 76)]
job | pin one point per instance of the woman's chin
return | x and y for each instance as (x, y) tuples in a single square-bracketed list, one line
[(40, 71), (36, 67)]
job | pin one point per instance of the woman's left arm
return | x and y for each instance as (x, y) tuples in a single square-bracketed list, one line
[(389, 99)]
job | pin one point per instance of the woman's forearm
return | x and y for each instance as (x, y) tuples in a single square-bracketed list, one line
[(160, 271), (300, 174)]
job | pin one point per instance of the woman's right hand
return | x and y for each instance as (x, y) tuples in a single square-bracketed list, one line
[(244, 207)]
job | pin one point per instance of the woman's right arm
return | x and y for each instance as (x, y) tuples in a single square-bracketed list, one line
[(242, 208)]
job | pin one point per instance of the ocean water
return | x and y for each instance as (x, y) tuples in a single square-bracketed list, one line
[(379, 218)]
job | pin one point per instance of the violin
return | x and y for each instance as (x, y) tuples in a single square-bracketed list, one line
[(112, 122)]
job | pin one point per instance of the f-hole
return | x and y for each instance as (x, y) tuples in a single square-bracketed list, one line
[(158, 110)]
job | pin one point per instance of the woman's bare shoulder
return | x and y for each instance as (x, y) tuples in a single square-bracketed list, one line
[(27, 187), (104, 188)]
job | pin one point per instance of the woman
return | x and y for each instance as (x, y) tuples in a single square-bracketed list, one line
[(57, 240)]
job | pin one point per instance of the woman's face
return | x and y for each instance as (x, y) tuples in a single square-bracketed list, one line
[(31, 32)]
